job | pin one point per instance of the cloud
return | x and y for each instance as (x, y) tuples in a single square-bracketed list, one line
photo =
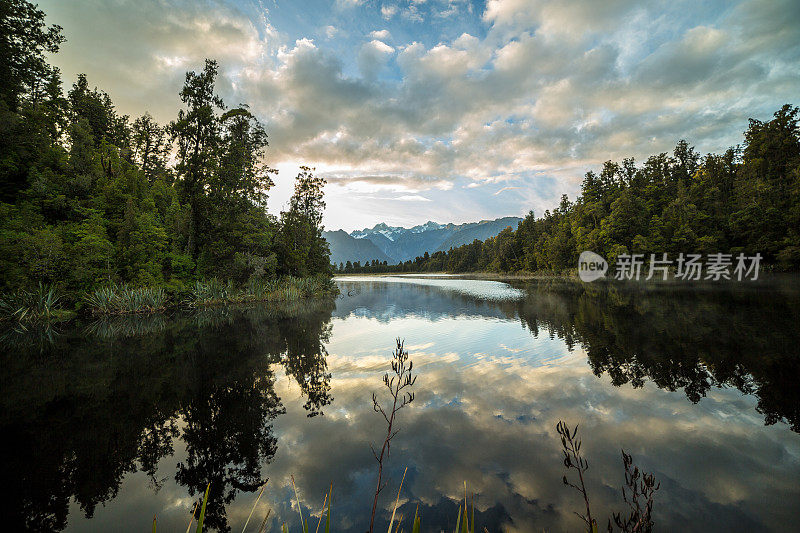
[(331, 31), (412, 198), (413, 13), (486, 416), (388, 11), (381, 35), (372, 56), (348, 4), (537, 88)]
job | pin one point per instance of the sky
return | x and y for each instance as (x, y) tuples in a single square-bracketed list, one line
[(449, 110)]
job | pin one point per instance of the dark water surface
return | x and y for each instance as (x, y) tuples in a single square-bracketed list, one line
[(105, 424)]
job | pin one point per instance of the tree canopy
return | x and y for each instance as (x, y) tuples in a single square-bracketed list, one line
[(90, 196), (745, 200)]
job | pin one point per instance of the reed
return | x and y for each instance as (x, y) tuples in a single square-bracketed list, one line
[(212, 292)]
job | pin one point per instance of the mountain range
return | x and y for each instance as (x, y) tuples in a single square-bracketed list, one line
[(395, 244)]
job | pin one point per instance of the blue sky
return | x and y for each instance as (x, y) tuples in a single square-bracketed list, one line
[(449, 110)]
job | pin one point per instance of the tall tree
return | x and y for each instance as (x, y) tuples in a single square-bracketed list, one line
[(302, 249), (24, 41), (29, 90), (150, 146), (197, 132)]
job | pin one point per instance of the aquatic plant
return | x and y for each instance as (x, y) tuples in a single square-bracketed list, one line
[(641, 490), (327, 502), (402, 379), (465, 523), (201, 518), (119, 299), (286, 289), (211, 292), (574, 460), (639, 497), (23, 305)]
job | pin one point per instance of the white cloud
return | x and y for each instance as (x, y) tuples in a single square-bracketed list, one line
[(412, 198), (413, 13), (331, 31), (548, 89), (382, 35), (372, 56), (346, 4), (388, 11)]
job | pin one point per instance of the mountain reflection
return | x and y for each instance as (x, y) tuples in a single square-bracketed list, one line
[(96, 403)]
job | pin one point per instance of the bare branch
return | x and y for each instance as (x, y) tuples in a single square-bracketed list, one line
[(401, 379)]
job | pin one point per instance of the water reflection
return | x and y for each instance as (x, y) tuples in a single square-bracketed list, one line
[(138, 414), (682, 337), (113, 397)]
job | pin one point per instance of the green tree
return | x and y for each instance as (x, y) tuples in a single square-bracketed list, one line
[(302, 250), (197, 133)]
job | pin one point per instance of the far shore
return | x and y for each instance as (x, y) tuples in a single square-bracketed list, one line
[(471, 275)]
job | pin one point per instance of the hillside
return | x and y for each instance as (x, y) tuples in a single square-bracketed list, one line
[(481, 230), (346, 248)]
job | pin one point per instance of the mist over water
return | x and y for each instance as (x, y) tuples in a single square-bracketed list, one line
[(109, 423)]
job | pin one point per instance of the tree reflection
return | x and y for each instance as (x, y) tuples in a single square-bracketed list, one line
[(95, 403), (228, 436), (678, 337)]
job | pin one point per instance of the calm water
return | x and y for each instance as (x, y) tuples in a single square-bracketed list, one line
[(107, 423)]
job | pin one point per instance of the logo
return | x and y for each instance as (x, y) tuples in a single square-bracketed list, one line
[(591, 266)]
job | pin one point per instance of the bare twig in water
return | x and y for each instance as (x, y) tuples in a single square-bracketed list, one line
[(641, 489), (573, 459), (401, 380)]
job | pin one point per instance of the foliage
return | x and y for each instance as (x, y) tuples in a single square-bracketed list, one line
[(89, 198), (573, 459), (23, 305), (285, 289), (641, 489), (743, 200), (302, 249), (121, 299)]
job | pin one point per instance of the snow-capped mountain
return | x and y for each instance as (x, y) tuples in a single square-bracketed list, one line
[(391, 232), (401, 244)]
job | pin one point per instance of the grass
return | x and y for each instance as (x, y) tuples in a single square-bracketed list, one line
[(44, 302), (465, 523), (120, 299), (201, 518), (286, 289)]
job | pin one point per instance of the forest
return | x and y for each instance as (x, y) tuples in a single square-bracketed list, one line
[(745, 200), (90, 197)]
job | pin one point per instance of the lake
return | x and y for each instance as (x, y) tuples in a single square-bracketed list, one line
[(107, 423)]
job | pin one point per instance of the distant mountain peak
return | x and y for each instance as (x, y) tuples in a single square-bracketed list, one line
[(401, 244)]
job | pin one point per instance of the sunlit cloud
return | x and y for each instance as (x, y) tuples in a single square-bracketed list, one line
[(519, 88)]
